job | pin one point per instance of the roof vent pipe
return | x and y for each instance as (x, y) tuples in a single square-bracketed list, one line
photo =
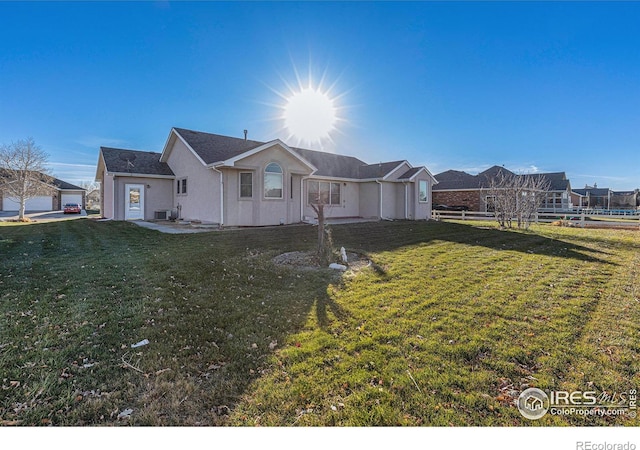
[(245, 134)]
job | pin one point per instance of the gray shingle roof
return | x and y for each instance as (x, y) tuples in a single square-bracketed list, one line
[(409, 173), (557, 180), (331, 164), (213, 147), (64, 186), (48, 179), (134, 161), (599, 192), (377, 170), (455, 179)]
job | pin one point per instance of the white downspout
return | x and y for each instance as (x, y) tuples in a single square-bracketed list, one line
[(302, 180), (380, 184), (113, 198), (221, 198), (406, 201)]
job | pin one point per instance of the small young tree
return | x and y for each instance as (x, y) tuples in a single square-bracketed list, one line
[(23, 172), (516, 197)]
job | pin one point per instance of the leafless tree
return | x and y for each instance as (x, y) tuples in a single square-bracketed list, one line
[(23, 172), (89, 186), (516, 197), (324, 249)]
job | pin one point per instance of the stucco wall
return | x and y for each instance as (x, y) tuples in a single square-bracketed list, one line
[(389, 196), (401, 204), (158, 195), (423, 209), (260, 210), (202, 200), (369, 199), (349, 199), (398, 171), (107, 197)]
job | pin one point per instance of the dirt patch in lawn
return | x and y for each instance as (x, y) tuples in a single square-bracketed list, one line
[(309, 261)]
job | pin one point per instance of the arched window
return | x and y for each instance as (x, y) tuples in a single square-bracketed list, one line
[(273, 181)]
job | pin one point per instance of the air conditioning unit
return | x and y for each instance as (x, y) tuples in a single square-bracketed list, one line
[(161, 215)]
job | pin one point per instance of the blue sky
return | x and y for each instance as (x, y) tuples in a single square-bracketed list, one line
[(539, 86)]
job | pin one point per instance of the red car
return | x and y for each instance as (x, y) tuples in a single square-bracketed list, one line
[(71, 208)]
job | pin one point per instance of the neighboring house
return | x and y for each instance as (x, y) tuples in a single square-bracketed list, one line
[(238, 182), (61, 193), (558, 194), (465, 191), (593, 197), (625, 199)]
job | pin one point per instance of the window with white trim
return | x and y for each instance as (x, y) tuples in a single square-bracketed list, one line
[(246, 185), (181, 186), (423, 191), (323, 193), (273, 181)]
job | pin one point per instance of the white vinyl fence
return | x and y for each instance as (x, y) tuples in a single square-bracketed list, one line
[(579, 218)]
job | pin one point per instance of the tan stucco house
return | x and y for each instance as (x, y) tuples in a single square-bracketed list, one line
[(238, 182)]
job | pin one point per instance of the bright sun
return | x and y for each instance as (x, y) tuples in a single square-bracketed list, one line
[(310, 115)]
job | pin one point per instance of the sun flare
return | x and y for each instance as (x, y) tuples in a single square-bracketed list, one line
[(310, 115)]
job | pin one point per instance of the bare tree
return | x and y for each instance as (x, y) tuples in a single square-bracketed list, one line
[(516, 197), (89, 186), (23, 172), (325, 248)]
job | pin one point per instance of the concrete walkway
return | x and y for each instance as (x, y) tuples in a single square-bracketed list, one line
[(170, 229), (186, 228), (41, 216)]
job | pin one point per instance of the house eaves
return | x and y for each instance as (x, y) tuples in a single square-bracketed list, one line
[(412, 173), (231, 161), (164, 157), (396, 168), (141, 175)]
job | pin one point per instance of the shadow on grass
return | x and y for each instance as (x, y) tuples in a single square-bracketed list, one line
[(325, 304), (213, 306), (387, 236)]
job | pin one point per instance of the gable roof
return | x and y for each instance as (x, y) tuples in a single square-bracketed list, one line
[(409, 173), (459, 180), (64, 186), (119, 160), (48, 179), (212, 148), (599, 192), (456, 179), (332, 164), (379, 170)]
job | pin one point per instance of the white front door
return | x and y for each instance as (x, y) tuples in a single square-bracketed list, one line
[(134, 202)]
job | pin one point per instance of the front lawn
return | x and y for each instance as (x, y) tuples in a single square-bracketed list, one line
[(448, 325)]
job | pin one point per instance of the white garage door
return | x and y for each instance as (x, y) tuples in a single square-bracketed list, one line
[(43, 203), (72, 198)]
